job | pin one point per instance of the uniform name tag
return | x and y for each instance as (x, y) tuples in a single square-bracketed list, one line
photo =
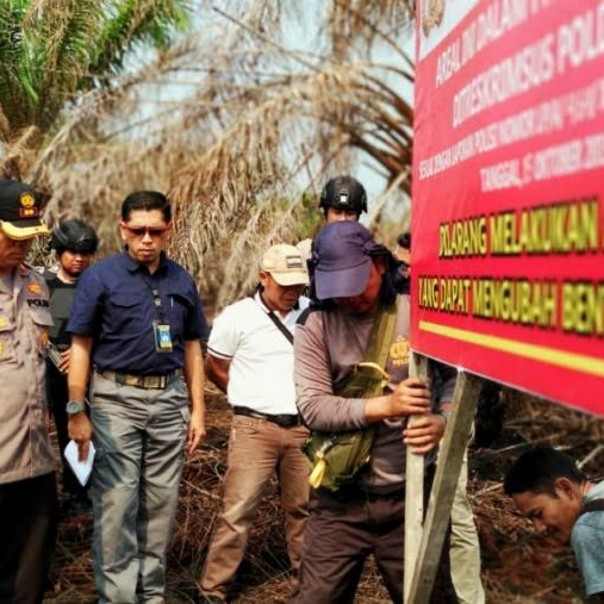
[(163, 337)]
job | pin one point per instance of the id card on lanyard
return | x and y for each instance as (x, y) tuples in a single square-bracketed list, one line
[(163, 337)]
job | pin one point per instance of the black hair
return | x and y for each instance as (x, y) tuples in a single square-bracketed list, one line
[(403, 284), (538, 469), (146, 200)]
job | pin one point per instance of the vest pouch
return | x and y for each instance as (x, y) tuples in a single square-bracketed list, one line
[(337, 458)]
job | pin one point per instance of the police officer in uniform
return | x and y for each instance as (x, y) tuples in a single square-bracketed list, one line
[(75, 243), (27, 480), (137, 322)]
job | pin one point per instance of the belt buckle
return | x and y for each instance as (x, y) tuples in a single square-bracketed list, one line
[(142, 381), (157, 382), (127, 379)]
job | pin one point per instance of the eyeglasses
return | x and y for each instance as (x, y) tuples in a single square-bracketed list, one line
[(151, 231)]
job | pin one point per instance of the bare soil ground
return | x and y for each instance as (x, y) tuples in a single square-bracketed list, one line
[(518, 566)]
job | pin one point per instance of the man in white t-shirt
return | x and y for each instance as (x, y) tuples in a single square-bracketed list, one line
[(251, 358)]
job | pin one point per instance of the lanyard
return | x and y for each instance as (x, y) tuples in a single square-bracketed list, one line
[(158, 305)]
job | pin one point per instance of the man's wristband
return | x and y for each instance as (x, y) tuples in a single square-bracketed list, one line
[(75, 407)]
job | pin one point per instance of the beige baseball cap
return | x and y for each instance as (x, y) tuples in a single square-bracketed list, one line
[(285, 264)]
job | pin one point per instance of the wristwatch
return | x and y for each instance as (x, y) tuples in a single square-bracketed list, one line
[(75, 407)]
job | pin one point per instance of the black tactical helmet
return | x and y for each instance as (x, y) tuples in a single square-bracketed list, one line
[(404, 240), (75, 236), (344, 193)]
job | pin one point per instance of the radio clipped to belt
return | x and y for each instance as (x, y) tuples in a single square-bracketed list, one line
[(337, 457)]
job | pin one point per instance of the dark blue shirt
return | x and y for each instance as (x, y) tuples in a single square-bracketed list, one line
[(114, 303)]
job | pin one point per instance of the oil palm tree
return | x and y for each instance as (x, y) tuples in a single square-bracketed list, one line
[(241, 122), (53, 51), (276, 120)]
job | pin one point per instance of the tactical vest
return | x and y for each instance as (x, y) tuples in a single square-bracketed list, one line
[(61, 300)]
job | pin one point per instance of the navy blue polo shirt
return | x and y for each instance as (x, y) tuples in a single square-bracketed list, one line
[(114, 303)]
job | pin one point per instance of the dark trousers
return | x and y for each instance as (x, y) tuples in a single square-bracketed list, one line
[(28, 522), (56, 388), (342, 530)]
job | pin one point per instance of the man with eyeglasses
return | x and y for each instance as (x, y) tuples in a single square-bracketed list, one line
[(136, 323)]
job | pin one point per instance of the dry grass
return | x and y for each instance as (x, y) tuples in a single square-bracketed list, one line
[(518, 567), (237, 125)]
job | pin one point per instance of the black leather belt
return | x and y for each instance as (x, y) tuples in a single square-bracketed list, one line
[(147, 382), (285, 420)]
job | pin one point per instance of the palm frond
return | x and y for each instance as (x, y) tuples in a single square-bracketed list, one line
[(240, 128), (51, 50)]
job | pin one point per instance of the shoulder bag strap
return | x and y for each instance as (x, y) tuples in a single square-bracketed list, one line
[(286, 332), (278, 324)]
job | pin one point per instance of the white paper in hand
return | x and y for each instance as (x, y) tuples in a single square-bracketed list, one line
[(81, 469)]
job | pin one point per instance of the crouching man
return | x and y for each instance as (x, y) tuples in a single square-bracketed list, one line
[(548, 487)]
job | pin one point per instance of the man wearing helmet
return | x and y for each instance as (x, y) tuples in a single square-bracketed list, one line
[(342, 198), (75, 243)]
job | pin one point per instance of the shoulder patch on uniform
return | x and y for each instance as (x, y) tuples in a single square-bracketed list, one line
[(34, 288), (399, 351)]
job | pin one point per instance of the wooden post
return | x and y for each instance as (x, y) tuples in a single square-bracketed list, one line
[(465, 400), (414, 488)]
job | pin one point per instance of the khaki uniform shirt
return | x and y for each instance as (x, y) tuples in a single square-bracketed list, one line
[(25, 449)]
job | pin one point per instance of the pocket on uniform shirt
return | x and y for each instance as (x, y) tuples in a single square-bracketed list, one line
[(123, 309), (42, 320), (7, 335), (178, 307)]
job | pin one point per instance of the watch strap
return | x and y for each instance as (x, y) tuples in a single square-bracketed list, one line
[(74, 407)]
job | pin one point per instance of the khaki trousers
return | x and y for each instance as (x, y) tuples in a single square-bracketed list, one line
[(465, 547), (257, 448)]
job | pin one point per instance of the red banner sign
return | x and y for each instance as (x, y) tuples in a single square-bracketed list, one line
[(508, 180)]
